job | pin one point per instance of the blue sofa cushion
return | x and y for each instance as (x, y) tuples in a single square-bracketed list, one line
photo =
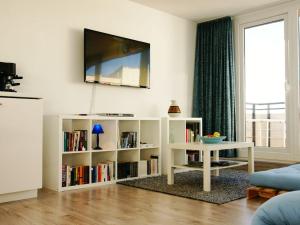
[(286, 178), (281, 210)]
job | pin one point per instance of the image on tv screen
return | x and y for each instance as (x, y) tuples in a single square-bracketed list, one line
[(116, 61)]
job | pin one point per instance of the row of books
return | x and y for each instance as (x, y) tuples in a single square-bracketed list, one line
[(128, 140), (149, 167), (127, 169), (189, 136), (192, 130), (75, 141), (103, 172), (75, 175)]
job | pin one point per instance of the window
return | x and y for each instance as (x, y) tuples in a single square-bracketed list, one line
[(264, 72)]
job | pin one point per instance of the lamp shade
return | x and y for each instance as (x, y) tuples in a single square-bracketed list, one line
[(97, 129)]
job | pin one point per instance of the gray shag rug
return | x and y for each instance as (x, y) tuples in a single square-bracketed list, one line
[(229, 186)]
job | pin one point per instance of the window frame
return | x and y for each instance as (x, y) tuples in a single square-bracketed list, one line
[(288, 13)]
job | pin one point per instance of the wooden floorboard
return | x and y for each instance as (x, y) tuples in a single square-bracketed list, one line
[(118, 204), (261, 166)]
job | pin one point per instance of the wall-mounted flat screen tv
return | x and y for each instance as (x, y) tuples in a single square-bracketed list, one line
[(113, 60)]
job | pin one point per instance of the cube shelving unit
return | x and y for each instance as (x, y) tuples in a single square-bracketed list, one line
[(174, 131), (148, 131)]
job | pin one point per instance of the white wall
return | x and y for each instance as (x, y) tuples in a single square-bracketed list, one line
[(45, 40)]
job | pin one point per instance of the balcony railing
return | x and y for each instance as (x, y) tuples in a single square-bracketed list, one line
[(265, 124)]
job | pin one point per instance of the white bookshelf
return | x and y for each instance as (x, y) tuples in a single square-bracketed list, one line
[(148, 131), (174, 131)]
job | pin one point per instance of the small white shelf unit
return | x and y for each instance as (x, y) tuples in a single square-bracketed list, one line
[(148, 131), (174, 131)]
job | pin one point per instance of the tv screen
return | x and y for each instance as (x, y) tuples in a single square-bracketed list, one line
[(113, 60)]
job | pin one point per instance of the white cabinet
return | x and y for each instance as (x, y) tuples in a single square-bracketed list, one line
[(20, 147)]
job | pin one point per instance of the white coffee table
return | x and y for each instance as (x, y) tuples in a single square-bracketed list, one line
[(207, 149)]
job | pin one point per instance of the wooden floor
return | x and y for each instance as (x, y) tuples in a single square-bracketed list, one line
[(117, 204)]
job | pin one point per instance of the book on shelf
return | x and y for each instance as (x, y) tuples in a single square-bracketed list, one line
[(143, 168), (75, 141), (64, 176), (103, 172), (127, 169), (75, 175), (128, 139)]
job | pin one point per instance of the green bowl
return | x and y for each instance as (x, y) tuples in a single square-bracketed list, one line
[(212, 140)]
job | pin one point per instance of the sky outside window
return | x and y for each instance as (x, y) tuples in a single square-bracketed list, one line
[(265, 63)]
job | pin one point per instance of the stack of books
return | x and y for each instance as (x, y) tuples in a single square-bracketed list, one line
[(103, 172), (128, 140), (75, 175), (75, 141), (127, 169)]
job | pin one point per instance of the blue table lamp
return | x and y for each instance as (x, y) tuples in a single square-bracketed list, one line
[(97, 129)]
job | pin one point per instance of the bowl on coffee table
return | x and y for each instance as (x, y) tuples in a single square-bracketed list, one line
[(212, 140)]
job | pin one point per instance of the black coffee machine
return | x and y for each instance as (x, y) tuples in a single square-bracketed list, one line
[(7, 76)]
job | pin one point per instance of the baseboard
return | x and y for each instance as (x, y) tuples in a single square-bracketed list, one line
[(18, 196)]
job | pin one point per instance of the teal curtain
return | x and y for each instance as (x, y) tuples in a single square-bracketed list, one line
[(214, 79)]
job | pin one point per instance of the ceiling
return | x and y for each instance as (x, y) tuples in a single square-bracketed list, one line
[(200, 10)]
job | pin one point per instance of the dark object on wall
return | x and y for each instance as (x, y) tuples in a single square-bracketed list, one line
[(113, 60), (7, 76), (214, 80)]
